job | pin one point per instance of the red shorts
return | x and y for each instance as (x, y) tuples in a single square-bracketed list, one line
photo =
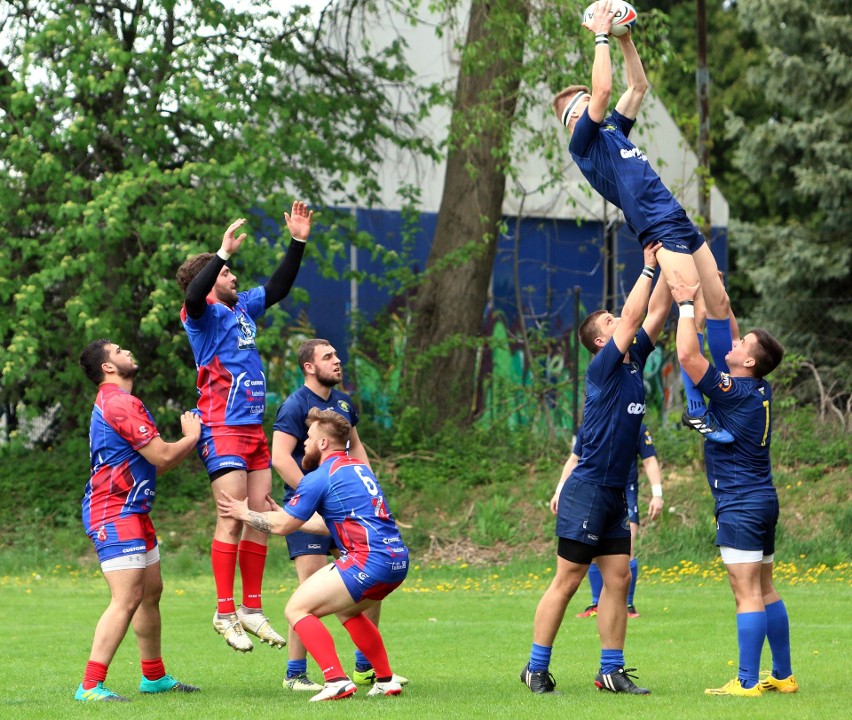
[(236, 447), (131, 535)]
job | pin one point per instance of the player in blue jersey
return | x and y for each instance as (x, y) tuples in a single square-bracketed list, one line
[(322, 370), (373, 560), (740, 477), (592, 519), (127, 452), (621, 173), (221, 326), (646, 451)]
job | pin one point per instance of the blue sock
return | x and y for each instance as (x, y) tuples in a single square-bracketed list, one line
[(297, 667), (611, 660), (634, 574), (695, 405), (720, 341), (596, 582), (778, 634), (540, 657), (751, 633), (361, 662)]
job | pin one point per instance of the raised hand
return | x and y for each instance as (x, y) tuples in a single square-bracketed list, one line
[(230, 243), (299, 220)]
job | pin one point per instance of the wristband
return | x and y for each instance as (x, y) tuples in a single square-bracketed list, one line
[(223, 254), (301, 240), (687, 310), (603, 40), (657, 490), (648, 272)]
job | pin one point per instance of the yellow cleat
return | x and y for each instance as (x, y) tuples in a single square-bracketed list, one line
[(734, 688), (772, 684)]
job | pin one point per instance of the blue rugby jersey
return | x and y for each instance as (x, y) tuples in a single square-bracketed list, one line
[(231, 384), (613, 412), (293, 412), (742, 405), (644, 450), (348, 496), (122, 481), (620, 172)]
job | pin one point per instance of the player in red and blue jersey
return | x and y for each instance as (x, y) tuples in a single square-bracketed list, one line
[(373, 561), (740, 478), (592, 521), (648, 454), (221, 325), (322, 370), (621, 173), (126, 454)]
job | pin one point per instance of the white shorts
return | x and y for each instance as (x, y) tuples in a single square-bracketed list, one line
[(138, 561), (732, 556)]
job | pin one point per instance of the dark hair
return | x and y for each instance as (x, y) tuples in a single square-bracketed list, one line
[(93, 357), (589, 331), (333, 425), (186, 273), (767, 352), (306, 351)]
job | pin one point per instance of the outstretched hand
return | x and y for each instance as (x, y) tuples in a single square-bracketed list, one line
[(230, 243), (229, 506), (299, 221), (682, 292)]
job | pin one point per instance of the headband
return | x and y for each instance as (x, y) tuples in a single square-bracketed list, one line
[(566, 113)]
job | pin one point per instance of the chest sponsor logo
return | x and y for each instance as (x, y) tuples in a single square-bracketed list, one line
[(636, 409), (634, 153)]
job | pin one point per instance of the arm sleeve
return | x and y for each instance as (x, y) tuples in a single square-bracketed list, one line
[(284, 276), (625, 124), (196, 294)]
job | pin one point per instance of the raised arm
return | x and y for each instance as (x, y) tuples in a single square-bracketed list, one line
[(689, 353), (659, 307), (299, 225), (195, 300), (600, 25), (164, 455), (637, 301), (637, 83)]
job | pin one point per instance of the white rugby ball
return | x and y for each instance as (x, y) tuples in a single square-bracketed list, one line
[(624, 20)]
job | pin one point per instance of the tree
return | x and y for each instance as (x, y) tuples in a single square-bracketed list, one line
[(798, 159), (130, 135)]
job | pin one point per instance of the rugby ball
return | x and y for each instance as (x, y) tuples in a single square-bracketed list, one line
[(624, 20)]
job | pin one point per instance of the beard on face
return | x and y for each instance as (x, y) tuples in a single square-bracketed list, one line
[(127, 373), (229, 297), (328, 379), (311, 460)]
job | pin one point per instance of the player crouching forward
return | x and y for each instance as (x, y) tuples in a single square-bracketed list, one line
[(373, 560)]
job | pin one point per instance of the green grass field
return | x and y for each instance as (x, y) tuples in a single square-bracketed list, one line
[(460, 634)]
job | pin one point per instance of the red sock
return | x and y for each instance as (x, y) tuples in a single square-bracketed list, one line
[(252, 557), (368, 640), (224, 559), (95, 672), (318, 641), (153, 669)]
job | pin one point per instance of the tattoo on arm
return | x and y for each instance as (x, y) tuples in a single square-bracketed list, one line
[(259, 522)]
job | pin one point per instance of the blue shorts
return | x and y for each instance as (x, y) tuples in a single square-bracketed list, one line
[(302, 543), (239, 447), (747, 522), (373, 579), (676, 233), (590, 513), (631, 493), (131, 535)]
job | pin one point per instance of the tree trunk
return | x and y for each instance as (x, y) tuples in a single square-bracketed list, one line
[(450, 303)]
